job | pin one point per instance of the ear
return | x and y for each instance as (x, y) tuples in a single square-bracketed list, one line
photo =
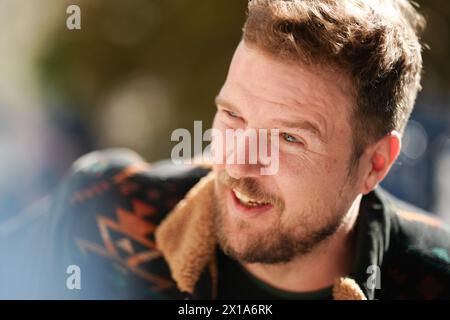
[(380, 158)]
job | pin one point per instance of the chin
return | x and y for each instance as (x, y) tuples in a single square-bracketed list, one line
[(239, 239)]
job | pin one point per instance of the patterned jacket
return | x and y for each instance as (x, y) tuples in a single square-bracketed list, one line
[(140, 231)]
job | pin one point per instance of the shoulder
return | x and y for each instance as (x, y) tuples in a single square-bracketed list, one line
[(115, 177), (117, 167), (418, 262), (102, 219), (419, 229), (118, 183)]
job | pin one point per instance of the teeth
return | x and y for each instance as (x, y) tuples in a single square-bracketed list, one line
[(242, 196), (246, 200)]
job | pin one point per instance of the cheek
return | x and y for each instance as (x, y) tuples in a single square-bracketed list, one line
[(304, 180), (296, 183), (300, 170)]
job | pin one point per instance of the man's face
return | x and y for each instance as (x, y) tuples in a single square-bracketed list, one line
[(307, 200)]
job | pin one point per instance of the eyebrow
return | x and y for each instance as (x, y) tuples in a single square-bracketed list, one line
[(222, 102), (298, 124)]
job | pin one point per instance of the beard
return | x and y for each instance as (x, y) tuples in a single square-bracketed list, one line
[(276, 242)]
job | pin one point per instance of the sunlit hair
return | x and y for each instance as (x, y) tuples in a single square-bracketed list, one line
[(375, 42)]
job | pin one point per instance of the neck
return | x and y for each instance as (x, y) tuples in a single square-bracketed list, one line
[(329, 260)]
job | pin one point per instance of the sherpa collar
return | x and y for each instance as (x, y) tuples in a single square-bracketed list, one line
[(187, 241)]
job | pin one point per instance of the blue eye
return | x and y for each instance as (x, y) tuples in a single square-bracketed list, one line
[(289, 138), (231, 114)]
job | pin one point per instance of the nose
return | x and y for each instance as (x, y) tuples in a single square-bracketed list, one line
[(239, 171), (242, 160)]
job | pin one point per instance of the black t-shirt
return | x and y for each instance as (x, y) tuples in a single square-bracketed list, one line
[(235, 282)]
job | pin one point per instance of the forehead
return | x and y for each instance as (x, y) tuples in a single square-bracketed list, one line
[(258, 82)]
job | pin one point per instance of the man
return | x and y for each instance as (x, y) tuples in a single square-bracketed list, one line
[(337, 80)]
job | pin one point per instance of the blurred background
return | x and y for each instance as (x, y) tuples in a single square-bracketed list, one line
[(138, 69)]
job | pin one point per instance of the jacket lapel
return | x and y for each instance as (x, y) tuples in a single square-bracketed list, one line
[(186, 237)]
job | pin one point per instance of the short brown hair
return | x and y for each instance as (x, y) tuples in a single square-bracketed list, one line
[(375, 41)]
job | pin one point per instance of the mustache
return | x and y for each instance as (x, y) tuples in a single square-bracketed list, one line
[(251, 188)]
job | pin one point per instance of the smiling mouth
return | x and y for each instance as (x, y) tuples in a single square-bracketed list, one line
[(248, 201)]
